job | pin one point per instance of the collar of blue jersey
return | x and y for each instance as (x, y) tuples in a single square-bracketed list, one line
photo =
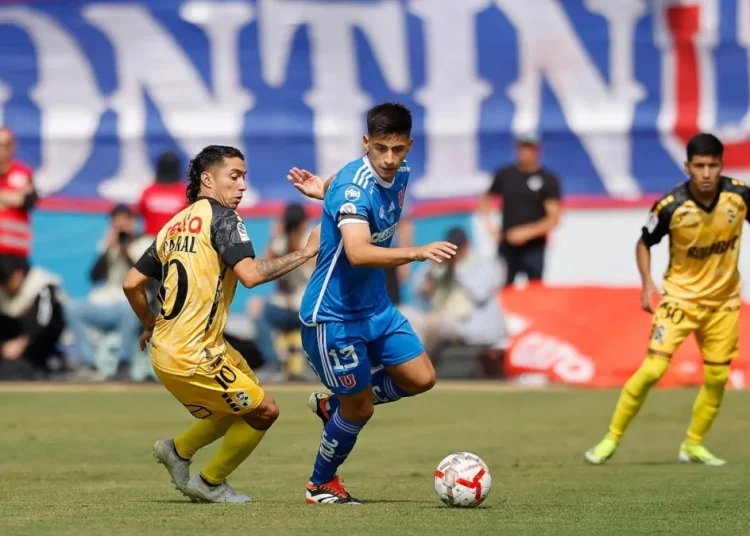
[(378, 179)]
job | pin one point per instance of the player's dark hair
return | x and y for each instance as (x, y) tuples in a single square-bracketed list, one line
[(388, 119), (210, 156), (704, 145)]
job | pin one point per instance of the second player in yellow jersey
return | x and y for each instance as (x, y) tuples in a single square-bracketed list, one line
[(199, 256), (703, 218)]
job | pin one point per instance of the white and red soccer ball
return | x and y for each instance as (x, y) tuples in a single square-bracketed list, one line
[(462, 479)]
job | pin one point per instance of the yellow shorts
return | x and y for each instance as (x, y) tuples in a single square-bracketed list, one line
[(225, 386), (716, 329)]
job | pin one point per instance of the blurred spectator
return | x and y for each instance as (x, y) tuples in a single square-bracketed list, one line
[(531, 209), (17, 198), (462, 297), (106, 308), (165, 197), (280, 311), (31, 319)]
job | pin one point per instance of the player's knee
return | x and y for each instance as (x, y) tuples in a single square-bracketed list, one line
[(715, 375), (653, 368), (263, 417), (420, 380), (426, 381)]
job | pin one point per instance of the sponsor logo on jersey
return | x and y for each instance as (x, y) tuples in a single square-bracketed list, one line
[(382, 236), (651, 222), (717, 248), (352, 193)]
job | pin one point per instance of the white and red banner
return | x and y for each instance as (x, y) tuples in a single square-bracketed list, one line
[(596, 337)]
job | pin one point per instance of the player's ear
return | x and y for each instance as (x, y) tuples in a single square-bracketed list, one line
[(366, 143), (687, 167), (206, 179), (411, 142)]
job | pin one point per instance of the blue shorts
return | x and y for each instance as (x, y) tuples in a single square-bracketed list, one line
[(343, 354)]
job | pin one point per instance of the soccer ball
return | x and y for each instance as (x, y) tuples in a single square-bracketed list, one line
[(462, 479)]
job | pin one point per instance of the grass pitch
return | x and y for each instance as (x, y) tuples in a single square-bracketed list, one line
[(80, 463)]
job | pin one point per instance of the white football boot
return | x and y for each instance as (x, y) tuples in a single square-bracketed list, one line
[(199, 491), (179, 469)]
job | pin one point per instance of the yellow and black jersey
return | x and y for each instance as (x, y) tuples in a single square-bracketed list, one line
[(704, 241), (193, 256)]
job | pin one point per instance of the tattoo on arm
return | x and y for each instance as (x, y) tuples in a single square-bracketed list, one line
[(270, 269)]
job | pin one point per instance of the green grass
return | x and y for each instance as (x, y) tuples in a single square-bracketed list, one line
[(80, 463)]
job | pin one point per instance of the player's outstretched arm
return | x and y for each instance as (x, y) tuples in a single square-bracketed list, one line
[(362, 253), (252, 273), (310, 185)]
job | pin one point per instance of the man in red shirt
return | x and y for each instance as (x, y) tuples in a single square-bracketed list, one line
[(165, 197), (17, 198)]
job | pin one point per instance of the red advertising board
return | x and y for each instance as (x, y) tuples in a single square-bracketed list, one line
[(595, 337)]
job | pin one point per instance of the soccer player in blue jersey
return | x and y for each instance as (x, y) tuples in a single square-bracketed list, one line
[(349, 323)]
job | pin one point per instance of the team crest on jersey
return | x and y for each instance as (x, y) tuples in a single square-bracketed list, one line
[(731, 216), (243, 399), (401, 196), (657, 334), (242, 231), (348, 208), (352, 193)]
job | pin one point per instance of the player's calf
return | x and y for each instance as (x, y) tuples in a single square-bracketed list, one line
[(336, 443)]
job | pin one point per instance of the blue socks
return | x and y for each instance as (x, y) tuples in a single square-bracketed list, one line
[(336, 443), (384, 391)]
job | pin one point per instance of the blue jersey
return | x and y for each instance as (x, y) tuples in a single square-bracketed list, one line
[(338, 292)]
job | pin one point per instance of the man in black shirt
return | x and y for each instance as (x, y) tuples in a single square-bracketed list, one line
[(31, 319), (531, 209)]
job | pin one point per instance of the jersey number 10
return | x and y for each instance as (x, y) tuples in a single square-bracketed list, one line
[(182, 289)]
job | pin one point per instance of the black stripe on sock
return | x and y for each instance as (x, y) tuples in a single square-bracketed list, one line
[(174, 449), (207, 483)]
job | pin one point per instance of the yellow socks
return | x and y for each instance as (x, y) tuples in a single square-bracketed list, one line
[(200, 434), (707, 404), (634, 394), (240, 440)]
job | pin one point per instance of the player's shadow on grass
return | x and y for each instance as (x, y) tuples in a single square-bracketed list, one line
[(174, 501), (397, 501), (648, 463)]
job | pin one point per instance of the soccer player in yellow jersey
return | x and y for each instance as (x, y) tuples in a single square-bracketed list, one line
[(703, 218), (199, 256)]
